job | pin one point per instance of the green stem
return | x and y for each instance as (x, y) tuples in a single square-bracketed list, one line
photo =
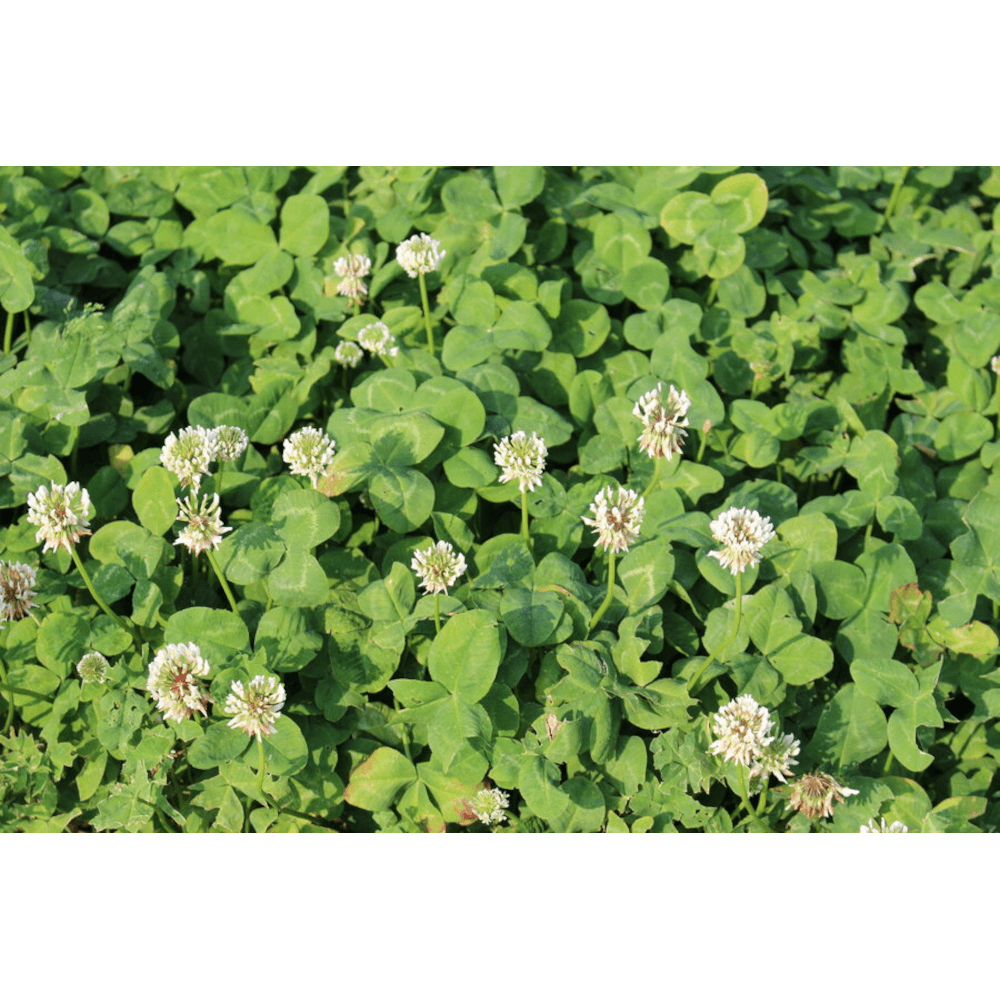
[(10, 697), (887, 765), (218, 479), (261, 767), (693, 686), (427, 313), (762, 802), (743, 790), (701, 446), (437, 611), (656, 475), (896, 191), (524, 517), (8, 331), (97, 597), (868, 533), (222, 580), (713, 290), (599, 613)]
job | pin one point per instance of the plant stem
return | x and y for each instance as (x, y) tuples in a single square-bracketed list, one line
[(701, 446), (693, 686), (8, 331), (218, 479), (427, 313), (93, 592), (656, 475), (599, 613), (743, 791), (437, 611), (761, 802), (888, 763), (894, 197), (10, 697), (222, 580), (261, 767), (524, 518)]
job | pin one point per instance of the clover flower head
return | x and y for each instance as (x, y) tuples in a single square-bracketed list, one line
[(617, 517), (256, 706), (93, 668), (230, 442), (17, 591), (348, 354), (309, 452), (204, 529), (352, 269), (742, 533), (488, 805), (880, 827), (814, 794), (188, 454), (742, 727), (995, 364), (663, 422), (60, 512), (776, 757), (521, 458), (438, 567), (377, 339), (175, 681), (419, 255)]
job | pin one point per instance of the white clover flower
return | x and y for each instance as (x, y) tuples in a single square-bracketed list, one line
[(521, 458), (420, 255), (617, 517), (204, 529), (175, 681), (17, 591), (663, 423), (776, 758), (488, 805), (348, 354), (995, 364), (93, 668), (438, 567), (188, 454), (230, 442), (814, 794), (60, 513), (743, 533), (742, 727), (377, 339), (880, 827), (256, 706), (309, 452), (352, 269)]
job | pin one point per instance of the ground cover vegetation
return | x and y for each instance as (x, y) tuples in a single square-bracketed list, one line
[(499, 499)]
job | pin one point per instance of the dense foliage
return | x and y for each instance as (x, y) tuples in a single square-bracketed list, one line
[(831, 330)]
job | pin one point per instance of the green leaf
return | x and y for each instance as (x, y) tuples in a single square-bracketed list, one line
[(750, 194), (305, 224), (886, 681), (586, 810), (470, 198), (851, 729), (518, 185), (376, 783), (250, 553), (530, 615), (285, 751), (154, 501), (304, 518), (17, 290), (403, 498), (299, 582), (219, 634), (537, 783), (231, 235), (217, 745), (287, 638), (466, 654), (719, 251)]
